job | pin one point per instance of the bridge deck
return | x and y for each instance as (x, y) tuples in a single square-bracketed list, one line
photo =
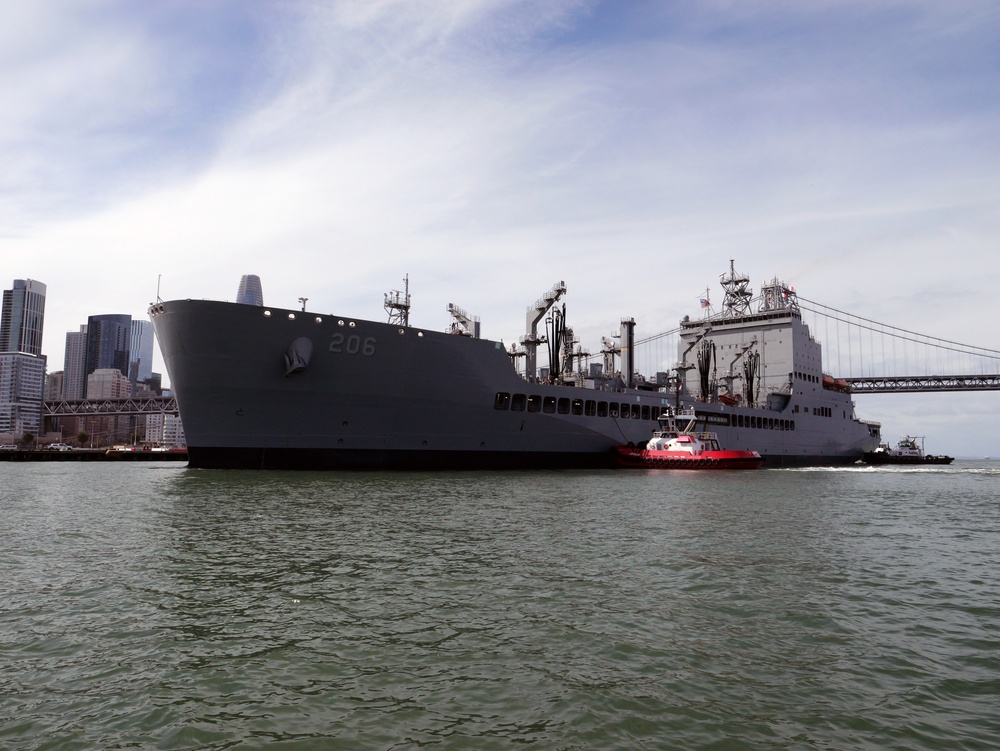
[(899, 384)]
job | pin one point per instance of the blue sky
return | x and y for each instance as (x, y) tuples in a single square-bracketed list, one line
[(488, 148)]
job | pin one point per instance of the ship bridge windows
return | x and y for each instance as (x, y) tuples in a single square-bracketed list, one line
[(549, 404), (502, 400), (517, 403), (602, 409), (534, 403), (577, 406), (563, 406), (590, 408)]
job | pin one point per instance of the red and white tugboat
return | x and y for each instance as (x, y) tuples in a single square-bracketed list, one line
[(672, 447)]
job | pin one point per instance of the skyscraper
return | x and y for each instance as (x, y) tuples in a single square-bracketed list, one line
[(250, 292), (22, 317), (108, 343), (75, 364), (22, 364), (140, 351)]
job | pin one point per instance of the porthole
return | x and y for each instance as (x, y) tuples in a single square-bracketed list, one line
[(267, 314), (291, 316), (318, 319), (420, 334), (340, 323), (352, 324)]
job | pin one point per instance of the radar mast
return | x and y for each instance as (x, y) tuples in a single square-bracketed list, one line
[(397, 304), (738, 293)]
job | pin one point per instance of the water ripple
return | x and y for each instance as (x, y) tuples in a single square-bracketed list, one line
[(155, 607)]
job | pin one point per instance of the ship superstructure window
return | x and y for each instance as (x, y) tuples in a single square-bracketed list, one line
[(584, 407)]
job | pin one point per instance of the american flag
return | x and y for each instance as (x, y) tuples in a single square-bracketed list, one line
[(705, 303)]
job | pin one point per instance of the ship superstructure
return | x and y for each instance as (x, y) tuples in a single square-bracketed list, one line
[(271, 388), (755, 373)]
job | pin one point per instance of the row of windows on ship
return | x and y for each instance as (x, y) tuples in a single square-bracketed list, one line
[(624, 410)]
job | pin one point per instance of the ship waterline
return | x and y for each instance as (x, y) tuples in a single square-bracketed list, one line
[(282, 389)]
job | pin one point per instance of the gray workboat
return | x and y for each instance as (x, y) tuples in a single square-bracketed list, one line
[(262, 387)]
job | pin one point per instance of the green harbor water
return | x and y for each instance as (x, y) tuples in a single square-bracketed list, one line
[(153, 606)]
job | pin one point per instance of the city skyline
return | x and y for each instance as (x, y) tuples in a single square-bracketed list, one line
[(109, 357)]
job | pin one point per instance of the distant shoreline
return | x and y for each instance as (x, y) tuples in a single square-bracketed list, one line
[(91, 455)]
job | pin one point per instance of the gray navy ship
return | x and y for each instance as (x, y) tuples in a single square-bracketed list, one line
[(262, 387)]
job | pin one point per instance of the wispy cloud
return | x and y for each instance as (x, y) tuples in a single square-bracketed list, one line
[(491, 147)]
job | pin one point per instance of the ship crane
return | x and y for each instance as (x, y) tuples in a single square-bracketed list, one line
[(573, 358), (684, 366), (531, 340), (609, 349), (464, 324), (731, 376)]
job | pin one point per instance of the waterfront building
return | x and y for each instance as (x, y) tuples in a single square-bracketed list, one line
[(249, 292), (165, 430), (22, 379), (54, 387), (22, 317), (108, 383), (173, 432)]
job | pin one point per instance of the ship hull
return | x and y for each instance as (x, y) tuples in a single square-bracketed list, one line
[(280, 389), (879, 459), (653, 459)]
